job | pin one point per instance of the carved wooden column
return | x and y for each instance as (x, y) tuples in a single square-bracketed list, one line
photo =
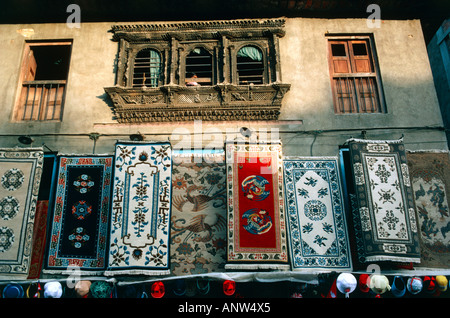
[(173, 59), (276, 55), (225, 56)]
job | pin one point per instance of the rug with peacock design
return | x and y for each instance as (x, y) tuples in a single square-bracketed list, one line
[(198, 222), (430, 177), (255, 213), (140, 217), (385, 219)]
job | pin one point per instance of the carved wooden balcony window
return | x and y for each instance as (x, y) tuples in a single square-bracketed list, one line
[(220, 70)]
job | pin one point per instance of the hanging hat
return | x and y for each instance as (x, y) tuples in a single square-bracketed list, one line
[(157, 290), (101, 289), (346, 283), (82, 288), (332, 293), (180, 287), (13, 290), (442, 283), (379, 284), (229, 287), (414, 285), (34, 290), (398, 288), (203, 286), (53, 290), (429, 284), (364, 282), (144, 293)]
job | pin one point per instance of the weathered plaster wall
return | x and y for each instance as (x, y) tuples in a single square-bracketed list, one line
[(308, 127)]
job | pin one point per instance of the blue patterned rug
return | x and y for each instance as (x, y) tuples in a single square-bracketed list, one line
[(316, 219), (385, 219), (79, 229), (140, 224), (20, 176)]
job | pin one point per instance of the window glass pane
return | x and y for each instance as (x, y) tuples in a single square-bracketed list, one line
[(147, 68), (250, 65)]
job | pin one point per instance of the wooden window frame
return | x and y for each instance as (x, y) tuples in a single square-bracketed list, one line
[(362, 91), (48, 96), (187, 49), (264, 64)]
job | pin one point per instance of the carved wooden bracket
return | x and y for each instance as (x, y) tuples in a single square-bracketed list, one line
[(178, 103)]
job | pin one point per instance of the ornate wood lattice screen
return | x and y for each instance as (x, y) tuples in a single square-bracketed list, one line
[(215, 50)]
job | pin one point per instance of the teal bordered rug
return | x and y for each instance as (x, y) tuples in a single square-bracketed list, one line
[(316, 217), (385, 219), (20, 176), (79, 221), (140, 217)]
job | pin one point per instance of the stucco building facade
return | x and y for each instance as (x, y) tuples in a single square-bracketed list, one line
[(322, 81)]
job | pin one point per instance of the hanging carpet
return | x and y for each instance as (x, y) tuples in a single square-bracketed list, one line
[(430, 178), (385, 218), (256, 217), (315, 214), (198, 222), (79, 220), (39, 234), (140, 217), (41, 216), (20, 176)]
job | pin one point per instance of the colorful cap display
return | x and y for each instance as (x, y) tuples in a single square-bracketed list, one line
[(364, 282), (53, 290), (379, 284), (82, 288), (414, 285), (229, 287), (398, 288), (429, 284), (13, 290), (158, 290), (441, 282), (101, 289), (346, 283)]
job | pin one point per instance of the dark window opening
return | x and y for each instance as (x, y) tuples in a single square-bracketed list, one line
[(147, 68), (199, 66), (359, 49), (250, 66), (338, 50), (52, 62), (44, 74)]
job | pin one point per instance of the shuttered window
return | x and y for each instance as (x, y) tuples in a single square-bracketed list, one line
[(43, 81), (355, 80)]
